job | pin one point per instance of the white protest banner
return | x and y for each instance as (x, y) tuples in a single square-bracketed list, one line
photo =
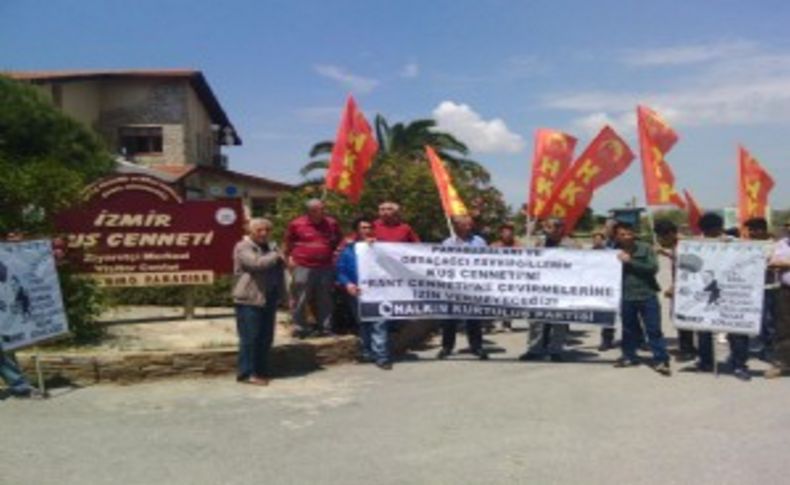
[(429, 281), (719, 286), (31, 305)]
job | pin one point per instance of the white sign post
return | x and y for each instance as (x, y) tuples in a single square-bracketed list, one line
[(719, 286), (31, 305), (430, 281)]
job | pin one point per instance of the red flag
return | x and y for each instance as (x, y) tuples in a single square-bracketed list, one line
[(552, 157), (656, 138), (694, 212), (754, 184), (352, 153), (606, 157), (451, 201)]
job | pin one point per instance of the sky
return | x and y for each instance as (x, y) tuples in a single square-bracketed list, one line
[(490, 72)]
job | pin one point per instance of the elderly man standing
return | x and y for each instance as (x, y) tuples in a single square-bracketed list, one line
[(389, 227), (310, 244), (463, 236), (258, 287), (549, 338)]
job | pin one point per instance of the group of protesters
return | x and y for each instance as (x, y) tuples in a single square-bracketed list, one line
[(321, 268), (320, 260)]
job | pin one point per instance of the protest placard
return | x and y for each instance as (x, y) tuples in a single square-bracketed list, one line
[(429, 281), (31, 305), (719, 286)]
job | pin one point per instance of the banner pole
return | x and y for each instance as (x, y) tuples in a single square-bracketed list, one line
[(42, 387), (713, 352)]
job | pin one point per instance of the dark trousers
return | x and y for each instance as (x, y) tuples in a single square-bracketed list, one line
[(474, 333), (686, 342), (255, 326), (782, 320), (768, 327), (739, 349), (649, 311)]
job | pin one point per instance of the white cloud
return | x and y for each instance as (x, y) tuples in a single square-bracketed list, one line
[(410, 70), (479, 135), (750, 88), (687, 54), (358, 84)]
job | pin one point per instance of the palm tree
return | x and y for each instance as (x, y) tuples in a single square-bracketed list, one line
[(407, 142)]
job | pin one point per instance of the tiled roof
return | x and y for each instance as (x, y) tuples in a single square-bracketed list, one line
[(195, 78)]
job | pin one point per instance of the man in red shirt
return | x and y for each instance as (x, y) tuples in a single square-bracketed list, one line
[(310, 243), (389, 228)]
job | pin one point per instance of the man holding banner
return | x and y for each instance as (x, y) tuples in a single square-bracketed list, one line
[(463, 236), (547, 339), (712, 226)]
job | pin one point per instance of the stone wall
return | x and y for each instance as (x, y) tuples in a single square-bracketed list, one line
[(130, 367)]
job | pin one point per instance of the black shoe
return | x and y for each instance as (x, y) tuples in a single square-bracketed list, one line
[(742, 374), (443, 354), (686, 356), (700, 367), (644, 347), (23, 392), (605, 346), (481, 354), (529, 356), (384, 365), (299, 334), (663, 369), (622, 363), (557, 358)]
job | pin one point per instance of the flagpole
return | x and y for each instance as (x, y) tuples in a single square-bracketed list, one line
[(450, 225), (652, 223)]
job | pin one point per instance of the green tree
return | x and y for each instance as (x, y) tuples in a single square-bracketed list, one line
[(401, 173), (46, 159)]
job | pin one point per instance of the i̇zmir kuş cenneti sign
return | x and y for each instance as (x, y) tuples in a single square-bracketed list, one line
[(134, 230)]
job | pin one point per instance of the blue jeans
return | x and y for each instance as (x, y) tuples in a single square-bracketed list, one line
[(374, 337), (9, 371), (650, 312), (739, 349), (255, 326)]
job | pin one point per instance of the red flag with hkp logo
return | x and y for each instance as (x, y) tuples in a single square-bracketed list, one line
[(352, 153), (754, 184), (552, 157), (451, 201), (606, 157), (656, 138)]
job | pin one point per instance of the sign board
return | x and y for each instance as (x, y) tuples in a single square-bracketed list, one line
[(31, 305), (719, 286), (134, 230), (429, 281)]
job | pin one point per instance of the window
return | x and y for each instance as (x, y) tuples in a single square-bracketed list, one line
[(141, 139)]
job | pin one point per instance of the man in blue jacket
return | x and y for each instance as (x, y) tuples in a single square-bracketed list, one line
[(374, 336)]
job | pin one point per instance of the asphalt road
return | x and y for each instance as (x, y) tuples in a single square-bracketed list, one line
[(450, 422)]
